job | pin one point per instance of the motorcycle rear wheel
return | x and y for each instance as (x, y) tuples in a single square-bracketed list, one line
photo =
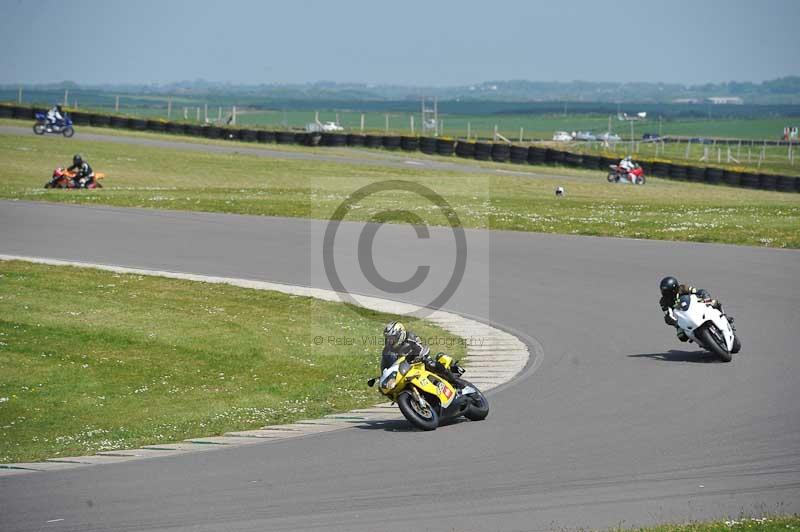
[(710, 342), (612, 177), (424, 417), (68, 131), (479, 409)]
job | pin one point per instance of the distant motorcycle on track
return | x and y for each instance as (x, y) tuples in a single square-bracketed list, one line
[(61, 127), (617, 174)]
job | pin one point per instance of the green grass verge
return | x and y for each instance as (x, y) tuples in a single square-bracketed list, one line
[(93, 360), (140, 176), (754, 524)]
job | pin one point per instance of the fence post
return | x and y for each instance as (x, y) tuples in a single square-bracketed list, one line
[(19, 95), (521, 130), (469, 130), (169, 108), (233, 115), (494, 138), (412, 123), (386, 125), (362, 122), (116, 104), (205, 112)]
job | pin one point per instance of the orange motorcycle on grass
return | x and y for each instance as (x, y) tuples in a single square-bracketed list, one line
[(65, 179)]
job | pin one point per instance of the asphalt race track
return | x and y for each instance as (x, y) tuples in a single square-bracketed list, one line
[(619, 424)]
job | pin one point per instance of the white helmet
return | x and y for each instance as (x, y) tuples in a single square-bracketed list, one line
[(395, 333)]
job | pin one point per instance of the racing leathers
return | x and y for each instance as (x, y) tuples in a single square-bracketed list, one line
[(54, 117), (414, 350), (84, 175)]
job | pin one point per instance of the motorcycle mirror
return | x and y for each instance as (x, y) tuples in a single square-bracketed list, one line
[(371, 382)]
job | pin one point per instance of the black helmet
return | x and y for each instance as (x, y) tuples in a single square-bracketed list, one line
[(58, 107), (668, 286), (77, 159)]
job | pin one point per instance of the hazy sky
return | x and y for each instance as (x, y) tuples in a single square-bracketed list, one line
[(410, 42)]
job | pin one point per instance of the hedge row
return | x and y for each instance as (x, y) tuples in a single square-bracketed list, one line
[(482, 151)]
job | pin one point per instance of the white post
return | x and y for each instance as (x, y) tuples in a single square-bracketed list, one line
[(19, 95), (494, 137), (412, 123), (169, 108), (116, 105), (316, 118), (205, 113), (386, 126), (739, 149), (66, 97), (186, 113), (198, 114), (219, 114), (441, 127), (362, 122), (337, 119), (469, 130), (688, 148), (520, 134), (233, 115), (719, 155)]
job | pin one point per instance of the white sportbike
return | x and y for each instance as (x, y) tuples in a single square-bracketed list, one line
[(707, 326)]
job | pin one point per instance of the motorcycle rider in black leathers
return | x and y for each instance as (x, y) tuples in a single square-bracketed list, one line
[(84, 175), (398, 342), (671, 291)]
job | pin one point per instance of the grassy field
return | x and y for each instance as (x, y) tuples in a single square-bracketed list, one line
[(754, 524), (237, 183), (94, 360)]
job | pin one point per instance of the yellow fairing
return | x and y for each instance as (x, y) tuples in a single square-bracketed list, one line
[(423, 379), (445, 360)]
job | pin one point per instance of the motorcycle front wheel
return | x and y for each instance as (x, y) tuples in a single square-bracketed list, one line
[(68, 131), (640, 180), (422, 416), (38, 129), (712, 343)]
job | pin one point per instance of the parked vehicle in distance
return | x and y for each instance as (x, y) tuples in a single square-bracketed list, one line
[(585, 135), (562, 136), (700, 140), (651, 137), (314, 127), (608, 136)]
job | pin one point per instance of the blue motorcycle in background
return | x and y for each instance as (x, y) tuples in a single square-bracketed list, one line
[(61, 127)]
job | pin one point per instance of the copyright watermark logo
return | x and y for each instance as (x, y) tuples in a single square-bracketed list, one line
[(366, 240)]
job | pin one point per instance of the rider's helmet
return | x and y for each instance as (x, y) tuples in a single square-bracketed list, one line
[(59, 109), (668, 286), (394, 334), (77, 160)]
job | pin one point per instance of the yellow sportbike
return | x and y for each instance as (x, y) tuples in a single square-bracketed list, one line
[(425, 398)]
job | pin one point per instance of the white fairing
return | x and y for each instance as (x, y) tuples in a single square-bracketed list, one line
[(699, 313), (388, 371)]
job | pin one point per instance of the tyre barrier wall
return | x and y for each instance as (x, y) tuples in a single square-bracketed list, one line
[(409, 143), (481, 151), (392, 142)]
